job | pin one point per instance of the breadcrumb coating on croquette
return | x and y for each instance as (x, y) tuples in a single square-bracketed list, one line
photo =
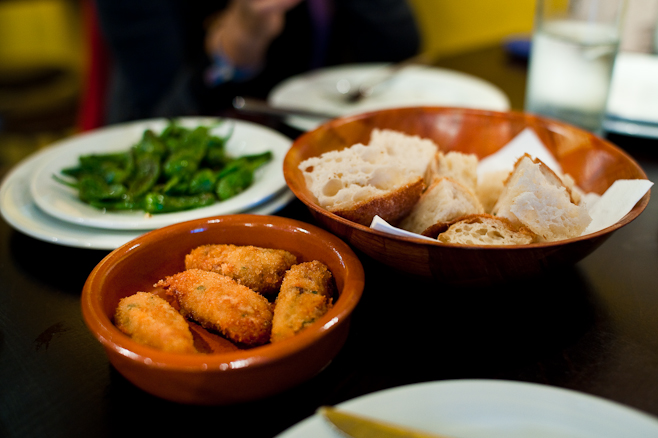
[(151, 320), (260, 269), (306, 295), (219, 303)]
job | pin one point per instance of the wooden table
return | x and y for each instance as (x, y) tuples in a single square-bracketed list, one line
[(592, 327)]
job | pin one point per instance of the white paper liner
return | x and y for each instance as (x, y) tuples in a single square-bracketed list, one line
[(525, 142)]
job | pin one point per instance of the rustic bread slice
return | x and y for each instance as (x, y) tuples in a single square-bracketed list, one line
[(455, 165), (391, 206), (444, 201), (539, 201), (574, 191), (528, 173), (485, 229), (385, 177), (489, 187)]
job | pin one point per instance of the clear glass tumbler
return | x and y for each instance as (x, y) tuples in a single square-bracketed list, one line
[(574, 46)]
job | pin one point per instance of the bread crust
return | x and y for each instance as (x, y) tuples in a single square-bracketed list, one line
[(444, 201), (362, 181), (549, 174), (441, 227), (513, 234), (391, 207), (434, 230), (535, 197)]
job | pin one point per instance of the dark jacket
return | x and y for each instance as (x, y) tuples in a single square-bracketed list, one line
[(156, 48)]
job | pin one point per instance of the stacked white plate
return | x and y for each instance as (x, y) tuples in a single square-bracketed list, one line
[(413, 85), (33, 202)]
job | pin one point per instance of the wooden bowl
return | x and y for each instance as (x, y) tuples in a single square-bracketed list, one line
[(230, 376), (592, 161)]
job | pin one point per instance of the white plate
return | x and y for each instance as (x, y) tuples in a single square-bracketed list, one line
[(633, 101), (62, 202), (19, 210), (411, 86), (492, 409)]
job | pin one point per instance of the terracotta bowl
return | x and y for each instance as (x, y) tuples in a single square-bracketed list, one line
[(229, 375), (593, 162)]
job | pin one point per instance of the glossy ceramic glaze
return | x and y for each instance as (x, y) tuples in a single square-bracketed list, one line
[(592, 161), (220, 378)]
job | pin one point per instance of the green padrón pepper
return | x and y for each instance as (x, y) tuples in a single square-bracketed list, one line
[(178, 169)]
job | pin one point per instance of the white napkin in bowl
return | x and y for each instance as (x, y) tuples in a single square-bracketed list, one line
[(525, 142)]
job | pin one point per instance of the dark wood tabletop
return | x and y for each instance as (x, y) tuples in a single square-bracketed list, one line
[(591, 327)]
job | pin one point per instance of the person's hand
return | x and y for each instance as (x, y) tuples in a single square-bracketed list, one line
[(262, 19), (244, 31)]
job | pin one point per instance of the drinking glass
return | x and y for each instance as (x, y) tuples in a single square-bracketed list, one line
[(574, 46)]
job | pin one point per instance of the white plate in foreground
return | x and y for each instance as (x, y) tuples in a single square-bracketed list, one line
[(491, 409), (412, 86), (20, 211), (62, 202)]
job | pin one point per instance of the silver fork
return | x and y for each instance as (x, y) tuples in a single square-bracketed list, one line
[(354, 94)]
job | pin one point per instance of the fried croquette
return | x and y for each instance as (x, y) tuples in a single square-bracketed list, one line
[(306, 294), (151, 320), (260, 269), (219, 303)]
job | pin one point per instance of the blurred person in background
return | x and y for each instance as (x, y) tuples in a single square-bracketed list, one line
[(190, 57)]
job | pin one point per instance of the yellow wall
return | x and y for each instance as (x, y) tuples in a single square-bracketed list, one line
[(35, 33), (38, 33), (453, 26), (48, 31)]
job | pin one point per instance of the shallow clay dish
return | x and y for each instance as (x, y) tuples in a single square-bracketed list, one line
[(229, 375), (593, 162)]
